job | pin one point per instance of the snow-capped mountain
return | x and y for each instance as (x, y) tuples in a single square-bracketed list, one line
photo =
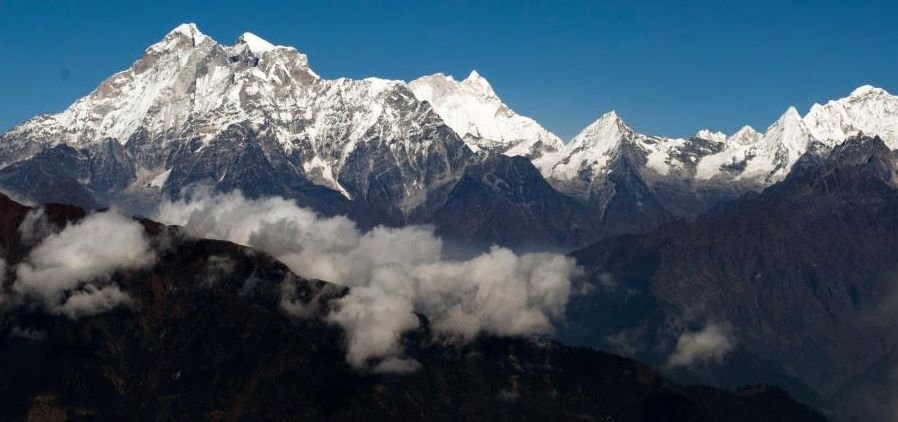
[(711, 136), (187, 94), (609, 165), (254, 116), (747, 158), (472, 109), (870, 110), (583, 165), (765, 158)]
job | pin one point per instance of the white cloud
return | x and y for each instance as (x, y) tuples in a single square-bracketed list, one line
[(66, 271), (393, 273), (710, 344), (93, 300), (35, 227)]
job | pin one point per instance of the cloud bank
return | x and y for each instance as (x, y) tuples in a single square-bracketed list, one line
[(710, 344), (393, 273), (67, 271)]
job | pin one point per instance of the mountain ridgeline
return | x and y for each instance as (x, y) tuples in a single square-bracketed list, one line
[(255, 117)]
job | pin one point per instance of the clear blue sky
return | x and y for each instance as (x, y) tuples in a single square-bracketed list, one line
[(667, 67)]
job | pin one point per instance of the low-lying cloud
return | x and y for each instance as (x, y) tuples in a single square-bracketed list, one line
[(393, 273), (68, 271), (35, 227), (708, 345)]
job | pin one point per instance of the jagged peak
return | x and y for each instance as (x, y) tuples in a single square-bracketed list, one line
[(711, 135), (480, 83), (255, 43), (869, 153), (439, 75), (862, 142), (866, 90), (608, 118), (189, 29), (609, 128), (791, 113), (746, 129), (175, 37), (744, 136), (790, 117)]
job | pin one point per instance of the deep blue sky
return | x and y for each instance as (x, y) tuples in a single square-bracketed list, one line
[(667, 67)]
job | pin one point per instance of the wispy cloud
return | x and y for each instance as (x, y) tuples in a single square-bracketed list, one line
[(67, 271), (710, 344), (392, 272)]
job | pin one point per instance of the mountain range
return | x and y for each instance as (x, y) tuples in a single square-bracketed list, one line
[(254, 116), (760, 257)]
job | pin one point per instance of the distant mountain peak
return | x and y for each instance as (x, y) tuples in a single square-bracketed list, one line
[(479, 82), (590, 151), (744, 136), (255, 43), (474, 111), (609, 125), (711, 135), (183, 35), (867, 90), (868, 110), (791, 114), (187, 29)]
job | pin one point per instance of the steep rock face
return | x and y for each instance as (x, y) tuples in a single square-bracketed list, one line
[(55, 175), (801, 269), (111, 169), (505, 200), (206, 336)]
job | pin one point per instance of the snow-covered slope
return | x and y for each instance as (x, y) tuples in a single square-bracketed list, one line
[(711, 136), (587, 159), (188, 90), (752, 159), (472, 109), (765, 158), (870, 110), (588, 153)]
